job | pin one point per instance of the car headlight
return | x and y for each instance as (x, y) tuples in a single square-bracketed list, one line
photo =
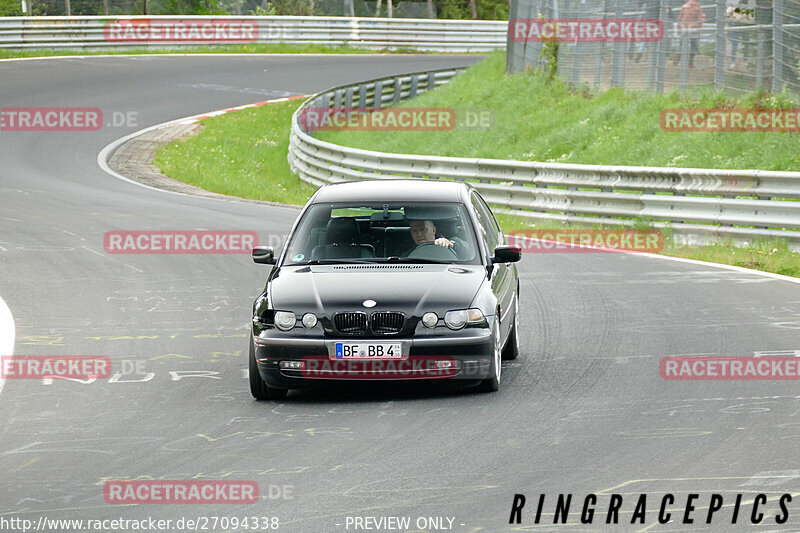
[(285, 320), (460, 318), (309, 320), (429, 320)]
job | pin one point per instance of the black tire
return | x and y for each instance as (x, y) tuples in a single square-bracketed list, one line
[(511, 351), (492, 383), (260, 390)]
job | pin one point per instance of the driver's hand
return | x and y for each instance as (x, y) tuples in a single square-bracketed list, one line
[(447, 243)]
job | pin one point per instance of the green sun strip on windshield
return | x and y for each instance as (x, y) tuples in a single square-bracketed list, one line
[(358, 212)]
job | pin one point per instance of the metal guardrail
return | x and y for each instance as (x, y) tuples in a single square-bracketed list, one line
[(694, 203), (89, 32)]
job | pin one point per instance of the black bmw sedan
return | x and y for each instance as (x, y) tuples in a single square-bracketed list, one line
[(387, 280)]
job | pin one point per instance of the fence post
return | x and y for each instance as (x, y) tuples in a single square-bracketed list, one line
[(684, 63), (719, 54), (663, 48), (618, 62), (577, 49), (760, 60), (512, 47), (777, 46)]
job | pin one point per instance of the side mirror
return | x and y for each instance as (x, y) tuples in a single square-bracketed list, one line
[(507, 254), (264, 255)]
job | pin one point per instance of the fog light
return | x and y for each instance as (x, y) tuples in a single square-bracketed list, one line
[(429, 320), (293, 365), (285, 320), (447, 364), (309, 320)]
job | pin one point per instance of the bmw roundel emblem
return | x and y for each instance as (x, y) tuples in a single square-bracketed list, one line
[(369, 303)]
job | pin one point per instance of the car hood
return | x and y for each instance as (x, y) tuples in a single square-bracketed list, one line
[(411, 288)]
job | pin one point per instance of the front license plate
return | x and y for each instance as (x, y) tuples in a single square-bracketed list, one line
[(368, 350)]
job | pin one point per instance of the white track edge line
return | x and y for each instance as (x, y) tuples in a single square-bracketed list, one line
[(7, 330)]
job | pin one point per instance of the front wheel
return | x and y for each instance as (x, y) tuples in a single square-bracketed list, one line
[(492, 383), (259, 389)]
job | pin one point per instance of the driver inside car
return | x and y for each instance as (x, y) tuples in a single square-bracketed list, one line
[(424, 231)]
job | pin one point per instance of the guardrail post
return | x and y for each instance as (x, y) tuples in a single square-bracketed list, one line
[(337, 99), (777, 46), (398, 90), (719, 55), (378, 98), (414, 82), (431, 81), (362, 96), (348, 98)]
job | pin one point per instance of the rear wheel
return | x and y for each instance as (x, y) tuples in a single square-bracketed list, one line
[(492, 383), (511, 351), (259, 389)]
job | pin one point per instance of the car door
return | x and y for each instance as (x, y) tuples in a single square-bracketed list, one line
[(503, 278)]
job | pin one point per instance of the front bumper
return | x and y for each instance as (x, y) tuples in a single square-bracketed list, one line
[(463, 355)]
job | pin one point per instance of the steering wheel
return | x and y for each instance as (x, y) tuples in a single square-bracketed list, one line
[(422, 251)]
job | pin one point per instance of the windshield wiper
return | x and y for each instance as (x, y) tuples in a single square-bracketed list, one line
[(336, 261), (395, 259)]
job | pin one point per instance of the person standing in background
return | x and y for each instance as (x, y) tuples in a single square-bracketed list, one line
[(690, 25)]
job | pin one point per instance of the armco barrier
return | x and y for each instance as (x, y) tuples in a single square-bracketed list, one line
[(89, 32), (692, 202)]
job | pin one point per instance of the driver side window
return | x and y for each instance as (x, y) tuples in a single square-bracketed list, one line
[(486, 223)]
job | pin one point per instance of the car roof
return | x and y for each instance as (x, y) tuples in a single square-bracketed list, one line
[(407, 190)]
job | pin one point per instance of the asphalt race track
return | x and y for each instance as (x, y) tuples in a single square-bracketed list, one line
[(584, 410)]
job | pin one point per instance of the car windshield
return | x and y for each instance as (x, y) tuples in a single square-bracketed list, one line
[(415, 232)]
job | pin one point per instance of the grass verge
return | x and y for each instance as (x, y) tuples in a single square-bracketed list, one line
[(244, 154), (239, 154), (536, 119)]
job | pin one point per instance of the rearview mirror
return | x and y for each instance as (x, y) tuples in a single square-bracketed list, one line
[(264, 255), (507, 254)]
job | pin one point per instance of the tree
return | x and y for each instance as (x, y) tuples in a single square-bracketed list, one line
[(10, 8)]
